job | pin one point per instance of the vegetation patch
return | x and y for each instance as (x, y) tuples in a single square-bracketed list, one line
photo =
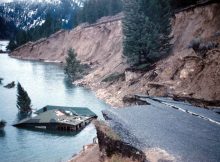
[(73, 68), (146, 32), (201, 47), (50, 26), (92, 10)]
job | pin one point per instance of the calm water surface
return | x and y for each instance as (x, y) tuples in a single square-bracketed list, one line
[(45, 85)]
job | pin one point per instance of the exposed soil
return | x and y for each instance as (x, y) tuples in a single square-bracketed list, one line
[(183, 73), (91, 154)]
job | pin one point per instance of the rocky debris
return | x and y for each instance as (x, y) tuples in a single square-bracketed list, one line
[(130, 76), (183, 73), (159, 155), (1, 79), (110, 144), (10, 85), (132, 100), (2, 123), (114, 77), (197, 101)]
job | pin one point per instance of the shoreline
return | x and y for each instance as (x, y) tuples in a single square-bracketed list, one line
[(100, 93), (89, 153), (34, 59), (106, 91)]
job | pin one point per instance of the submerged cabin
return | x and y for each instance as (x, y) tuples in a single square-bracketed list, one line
[(59, 118)]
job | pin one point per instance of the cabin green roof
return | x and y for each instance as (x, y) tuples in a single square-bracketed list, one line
[(59, 115), (80, 111), (51, 116)]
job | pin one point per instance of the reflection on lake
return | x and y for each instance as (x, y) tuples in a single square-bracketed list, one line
[(45, 85)]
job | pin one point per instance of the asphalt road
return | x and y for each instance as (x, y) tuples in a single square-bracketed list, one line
[(188, 133)]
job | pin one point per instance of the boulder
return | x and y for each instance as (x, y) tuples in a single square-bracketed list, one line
[(10, 85)]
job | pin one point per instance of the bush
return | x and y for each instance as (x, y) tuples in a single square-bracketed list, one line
[(195, 43), (200, 47)]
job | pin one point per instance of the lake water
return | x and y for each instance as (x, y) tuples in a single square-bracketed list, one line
[(45, 85)]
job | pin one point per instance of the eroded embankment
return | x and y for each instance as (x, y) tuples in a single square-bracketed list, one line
[(99, 45), (184, 73)]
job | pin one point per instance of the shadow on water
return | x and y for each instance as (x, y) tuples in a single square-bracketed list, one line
[(52, 132), (68, 83), (45, 85), (2, 133)]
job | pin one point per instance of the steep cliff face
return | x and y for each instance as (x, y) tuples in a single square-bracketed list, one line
[(187, 73), (99, 45), (111, 145), (183, 73)]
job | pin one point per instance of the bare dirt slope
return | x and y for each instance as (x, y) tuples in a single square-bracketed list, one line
[(90, 154), (99, 45), (183, 73)]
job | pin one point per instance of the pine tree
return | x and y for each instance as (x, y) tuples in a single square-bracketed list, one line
[(50, 26), (12, 45), (23, 100), (146, 28), (134, 31), (73, 68), (177, 4), (162, 21), (92, 10)]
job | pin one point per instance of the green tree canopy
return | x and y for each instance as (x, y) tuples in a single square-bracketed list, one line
[(146, 28), (50, 26), (73, 68), (23, 100), (92, 10), (177, 4)]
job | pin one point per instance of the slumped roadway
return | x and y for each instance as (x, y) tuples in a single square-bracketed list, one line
[(186, 136)]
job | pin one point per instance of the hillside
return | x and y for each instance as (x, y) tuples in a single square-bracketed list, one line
[(7, 29), (27, 14), (99, 45), (183, 73)]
